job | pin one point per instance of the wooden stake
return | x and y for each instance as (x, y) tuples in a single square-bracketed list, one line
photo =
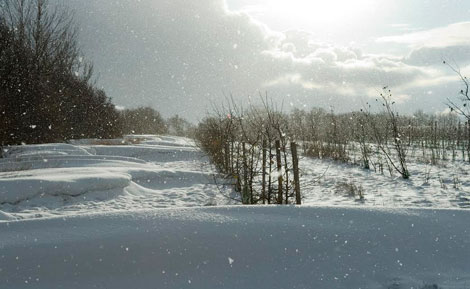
[(245, 195), (263, 176), (295, 163), (279, 171)]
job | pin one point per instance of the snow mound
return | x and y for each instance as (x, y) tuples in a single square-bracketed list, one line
[(63, 161), (151, 153), (169, 141), (240, 247), (6, 217), (44, 150), (56, 183), (133, 173)]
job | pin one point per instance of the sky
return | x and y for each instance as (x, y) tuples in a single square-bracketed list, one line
[(185, 56)]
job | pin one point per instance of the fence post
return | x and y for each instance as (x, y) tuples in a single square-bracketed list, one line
[(232, 157), (286, 171), (238, 174), (468, 140), (252, 173), (245, 195), (263, 176), (227, 157), (295, 163), (270, 170), (279, 171)]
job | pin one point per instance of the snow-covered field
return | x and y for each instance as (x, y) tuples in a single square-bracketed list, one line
[(145, 172), (133, 213), (446, 185), (142, 172)]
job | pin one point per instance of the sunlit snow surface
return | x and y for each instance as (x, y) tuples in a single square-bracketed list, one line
[(109, 214), (145, 172), (83, 177), (445, 185)]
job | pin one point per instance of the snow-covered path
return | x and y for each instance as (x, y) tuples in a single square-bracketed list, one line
[(240, 247)]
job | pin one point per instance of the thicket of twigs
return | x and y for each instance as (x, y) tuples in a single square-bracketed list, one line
[(253, 146)]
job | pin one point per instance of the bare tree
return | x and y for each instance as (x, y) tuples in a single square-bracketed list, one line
[(392, 126), (462, 108)]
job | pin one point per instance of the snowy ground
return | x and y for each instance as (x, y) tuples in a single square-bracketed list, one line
[(84, 177), (446, 185), (145, 172), (64, 179), (240, 247), (115, 214)]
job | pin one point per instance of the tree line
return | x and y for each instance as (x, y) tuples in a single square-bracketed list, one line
[(47, 92)]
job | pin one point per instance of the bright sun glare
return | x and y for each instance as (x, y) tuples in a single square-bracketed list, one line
[(319, 11)]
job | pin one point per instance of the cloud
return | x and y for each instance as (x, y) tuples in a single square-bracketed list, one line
[(426, 56), (182, 56), (456, 34), (337, 69), (179, 55), (430, 47)]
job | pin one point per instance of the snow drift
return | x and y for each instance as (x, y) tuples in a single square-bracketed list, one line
[(240, 247), (85, 176)]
